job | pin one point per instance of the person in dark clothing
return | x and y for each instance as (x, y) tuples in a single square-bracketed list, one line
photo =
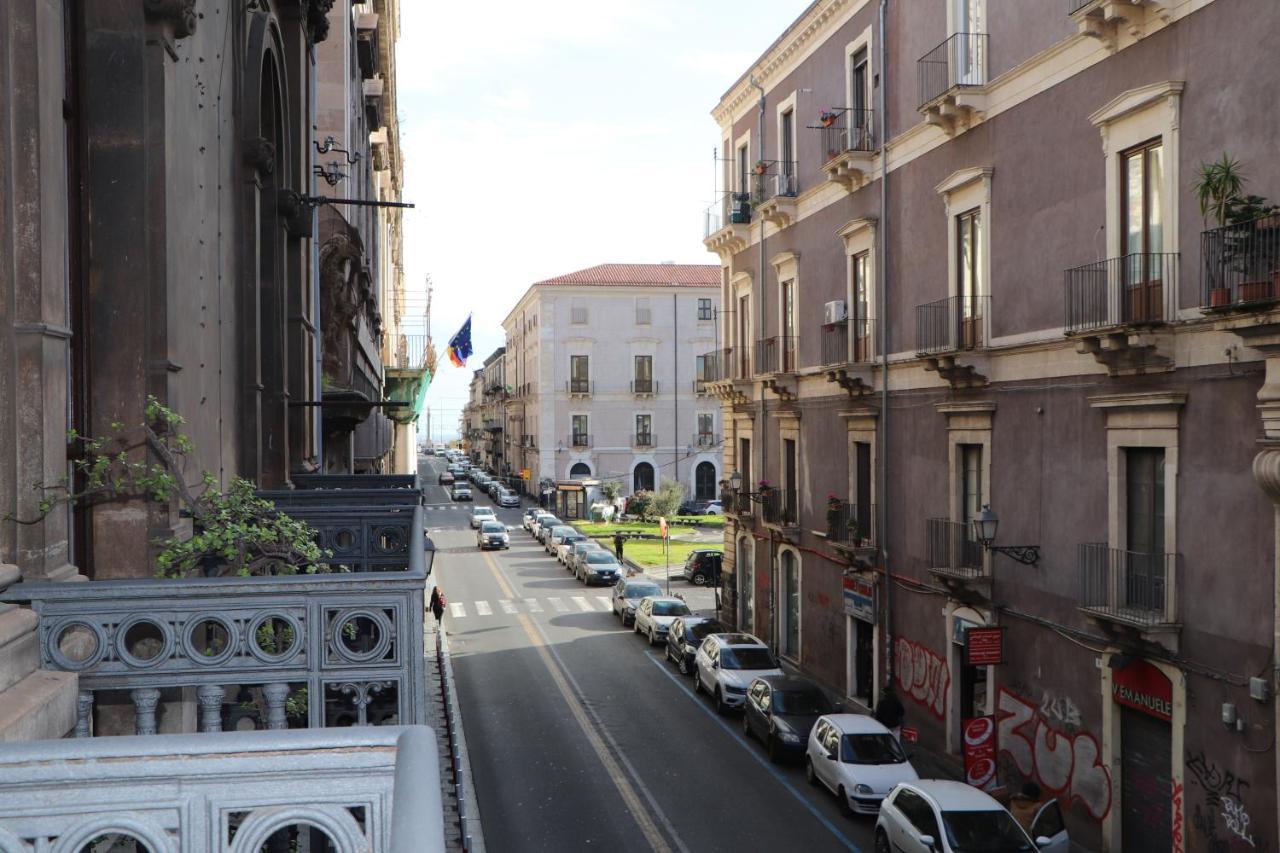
[(437, 603), (889, 711), (617, 544)]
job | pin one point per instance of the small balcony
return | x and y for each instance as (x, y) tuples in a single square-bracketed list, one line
[(580, 387), (644, 387), (1128, 588), (848, 145), (727, 226), (836, 337), (740, 504), (1241, 269), (952, 82), (781, 508), (851, 526), (951, 325), (704, 440), (776, 355), (642, 440), (1127, 291), (700, 388), (773, 190), (493, 426), (1105, 20), (952, 551), (579, 440)]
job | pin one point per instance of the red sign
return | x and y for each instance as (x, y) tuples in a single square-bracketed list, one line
[(1145, 688), (909, 735), (984, 646), (980, 752)]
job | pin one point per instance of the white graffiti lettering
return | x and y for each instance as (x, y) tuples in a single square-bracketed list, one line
[(1237, 819), (923, 676), (1061, 709)]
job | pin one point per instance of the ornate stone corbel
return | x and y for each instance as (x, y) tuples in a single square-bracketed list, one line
[(180, 14), (318, 19), (260, 153)]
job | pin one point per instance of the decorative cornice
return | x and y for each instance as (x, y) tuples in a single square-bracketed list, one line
[(962, 178), (1136, 99), (1141, 400), (966, 408)]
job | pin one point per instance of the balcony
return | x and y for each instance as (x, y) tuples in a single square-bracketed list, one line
[(776, 355), (950, 325), (848, 146), (727, 374), (952, 552), (367, 43), (1241, 269), (781, 508), (642, 440), (704, 440), (850, 525), (700, 388), (1114, 309), (835, 342), (1129, 589), (740, 504), (579, 440), (773, 191), (1107, 20), (580, 387), (728, 223), (952, 80), (644, 387), (493, 426)]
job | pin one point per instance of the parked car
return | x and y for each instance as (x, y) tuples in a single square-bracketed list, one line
[(576, 551), (445, 478), (941, 816), (460, 492), (492, 534), (857, 759), (781, 712), (495, 489), (727, 663), (692, 508), (655, 614), (684, 637), (565, 546), (627, 594), (703, 566), (554, 536), (480, 514), (529, 515), (546, 523), (535, 526), (506, 498), (714, 508), (598, 566)]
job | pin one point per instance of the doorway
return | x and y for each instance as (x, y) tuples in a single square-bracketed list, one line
[(860, 636), (746, 585)]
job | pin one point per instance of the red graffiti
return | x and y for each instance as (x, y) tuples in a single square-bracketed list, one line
[(923, 676), (1177, 817), (1068, 765)]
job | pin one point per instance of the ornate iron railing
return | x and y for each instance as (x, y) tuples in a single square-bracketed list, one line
[(951, 324), (644, 386), (1241, 263), (1128, 586), (959, 61), (851, 524), (952, 550), (781, 507), (1129, 290), (777, 354), (845, 129)]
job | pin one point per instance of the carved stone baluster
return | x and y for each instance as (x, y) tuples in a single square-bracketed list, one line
[(210, 698), (84, 710), (276, 694), (145, 700)]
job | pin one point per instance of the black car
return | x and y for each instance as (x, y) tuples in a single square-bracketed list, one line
[(781, 710), (692, 508), (703, 566), (685, 635)]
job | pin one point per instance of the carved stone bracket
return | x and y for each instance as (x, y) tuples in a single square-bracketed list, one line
[(958, 110), (852, 382), (850, 169), (179, 14), (729, 240), (1105, 20), (260, 154), (318, 19), (783, 386), (1126, 353), (780, 210), (957, 375)]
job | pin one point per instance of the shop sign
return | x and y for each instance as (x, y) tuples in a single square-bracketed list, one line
[(980, 752), (984, 646), (860, 598), (1145, 688)]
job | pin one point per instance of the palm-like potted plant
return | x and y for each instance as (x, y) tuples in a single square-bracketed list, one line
[(1216, 185)]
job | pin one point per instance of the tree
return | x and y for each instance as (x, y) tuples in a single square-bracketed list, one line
[(666, 501), (610, 489), (640, 504)]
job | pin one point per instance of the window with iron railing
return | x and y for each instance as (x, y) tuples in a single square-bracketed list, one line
[(644, 431), (643, 381), (580, 424), (579, 374)]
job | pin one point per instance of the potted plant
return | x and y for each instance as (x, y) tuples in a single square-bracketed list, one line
[(764, 488), (827, 117), (1216, 186), (834, 505)]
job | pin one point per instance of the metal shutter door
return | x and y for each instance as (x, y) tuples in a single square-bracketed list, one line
[(1145, 784)]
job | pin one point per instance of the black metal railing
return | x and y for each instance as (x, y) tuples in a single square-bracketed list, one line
[(850, 524), (952, 550), (959, 61), (713, 365), (776, 354), (1128, 586), (781, 507), (951, 324), (739, 503), (644, 386), (773, 178), (1128, 290), (845, 129), (580, 386), (1241, 263), (642, 439), (1074, 6), (579, 439), (835, 342), (704, 440), (737, 207)]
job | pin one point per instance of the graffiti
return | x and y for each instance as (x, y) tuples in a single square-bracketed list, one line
[(1216, 783), (1067, 765), (1237, 819), (1059, 708), (1226, 792), (923, 676), (1177, 817)]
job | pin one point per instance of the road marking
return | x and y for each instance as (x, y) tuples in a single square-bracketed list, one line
[(606, 603), (533, 605), (558, 605), (583, 604), (482, 608), (592, 727), (507, 606), (458, 609), (754, 753)]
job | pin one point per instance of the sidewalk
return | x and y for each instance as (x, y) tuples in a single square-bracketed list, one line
[(462, 827)]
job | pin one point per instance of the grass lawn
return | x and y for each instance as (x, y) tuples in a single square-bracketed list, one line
[(648, 553), (605, 528), (703, 520)]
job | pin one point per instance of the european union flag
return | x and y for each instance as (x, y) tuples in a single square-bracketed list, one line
[(460, 345)]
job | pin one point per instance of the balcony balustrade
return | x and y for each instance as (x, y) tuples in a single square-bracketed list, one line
[(1125, 291), (1129, 587), (580, 387), (741, 504), (959, 62), (644, 387), (781, 507), (774, 186), (851, 525), (951, 549), (579, 439), (776, 354), (835, 342), (1241, 264), (846, 129), (642, 439), (704, 440), (951, 324)]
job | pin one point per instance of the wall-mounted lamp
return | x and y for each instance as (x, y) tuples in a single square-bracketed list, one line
[(984, 530), (735, 480)]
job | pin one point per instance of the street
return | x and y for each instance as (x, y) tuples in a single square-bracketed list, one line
[(583, 737)]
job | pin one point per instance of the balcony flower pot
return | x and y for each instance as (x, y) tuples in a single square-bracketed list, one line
[(1255, 291), (827, 118), (1219, 297)]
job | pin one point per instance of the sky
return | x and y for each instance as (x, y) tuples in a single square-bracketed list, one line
[(543, 138)]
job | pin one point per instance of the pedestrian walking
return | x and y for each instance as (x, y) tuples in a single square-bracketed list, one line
[(889, 711), (437, 603), (617, 544)]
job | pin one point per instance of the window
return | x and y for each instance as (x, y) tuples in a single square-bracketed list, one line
[(704, 482), (971, 497), (791, 616), (968, 277), (789, 483), (788, 353), (643, 381), (744, 337), (859, 102), (860, 315), (787, 168), (580, 430), (744, 180), (642, 477), (704, 309), (706, 430), (1144, 527), (643, 315), (579, 374), (580, 471), (700, 374), (1142, 211), (744, 464), (644, 430)]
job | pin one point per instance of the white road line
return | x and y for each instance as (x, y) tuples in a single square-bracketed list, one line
[(533, 605), (482, 607), (558, 605), (583, 604), (458, 610), (507, 606), (606, 603)]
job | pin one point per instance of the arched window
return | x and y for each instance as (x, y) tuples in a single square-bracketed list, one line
[(580, 471), (704, 482), (642, 478)]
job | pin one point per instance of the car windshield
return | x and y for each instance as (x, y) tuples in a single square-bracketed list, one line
[(746, 657), (871, 749), (800, 702), (670, 608), (984, 832), (642, 590), (600, 557), (493, 527), (482, 510), (702, 629), (549, 521)]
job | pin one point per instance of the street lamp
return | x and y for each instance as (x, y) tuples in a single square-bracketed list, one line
[(985, 525), (735, 480)]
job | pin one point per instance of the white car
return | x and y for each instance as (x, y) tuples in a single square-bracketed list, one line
[(492, 534), (857, 759), (482, 514), (655, 615), (726, 664), (714, 508), (565, 546), (552, 537), (940, 816)]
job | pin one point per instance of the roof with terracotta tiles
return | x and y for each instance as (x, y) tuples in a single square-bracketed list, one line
[(642, 275)]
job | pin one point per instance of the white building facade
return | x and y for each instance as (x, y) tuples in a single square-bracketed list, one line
[(606, 376)]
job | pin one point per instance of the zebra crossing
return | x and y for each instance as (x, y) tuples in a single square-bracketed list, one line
[(508, 607)]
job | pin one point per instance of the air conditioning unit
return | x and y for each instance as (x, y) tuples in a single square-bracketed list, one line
[(834, 312)]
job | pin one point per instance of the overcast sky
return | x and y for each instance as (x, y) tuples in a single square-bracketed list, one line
[(541, 138)]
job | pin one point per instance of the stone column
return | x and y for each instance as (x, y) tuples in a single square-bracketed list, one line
[(276, 694), (145, 700), (210, 699), (84, 712), (1266, 470)]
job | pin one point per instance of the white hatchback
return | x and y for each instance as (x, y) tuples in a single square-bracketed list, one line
[(726, 664), (940, 816), (857, 759), (481, 514), (655, 615)]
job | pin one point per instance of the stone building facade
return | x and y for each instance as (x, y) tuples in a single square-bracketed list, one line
[(977, 276)]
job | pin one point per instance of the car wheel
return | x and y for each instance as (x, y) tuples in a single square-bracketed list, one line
[(882, 842), (810, 776), (845, 809), (635, 627), (683, 665), (698, 579), (697, 683), (721, 707), (653, 638)]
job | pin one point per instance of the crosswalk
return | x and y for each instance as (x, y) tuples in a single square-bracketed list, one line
[(557, 604)]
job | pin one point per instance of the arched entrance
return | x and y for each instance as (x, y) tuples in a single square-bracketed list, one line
[(580, 471), (642, 478), (746, 584), (704, 482)]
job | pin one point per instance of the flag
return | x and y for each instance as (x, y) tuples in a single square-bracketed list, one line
[(460, 345)]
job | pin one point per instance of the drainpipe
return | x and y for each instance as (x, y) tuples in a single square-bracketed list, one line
[(883, 456), (764, 427)]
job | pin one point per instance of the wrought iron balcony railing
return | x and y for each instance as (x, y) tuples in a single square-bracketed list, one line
[(1127, 291), (773, 179), (580, 387), (704, 440), (835, 342), (1128, 586), (579, 439), (781, 507), (740, 503), (845, 129), (644, 386), (952, 550), (951, 324), (776, 354), (852, 525), (959, 61), (1241, 263), (642, 439)]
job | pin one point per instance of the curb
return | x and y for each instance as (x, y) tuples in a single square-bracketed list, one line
[(468, 807)]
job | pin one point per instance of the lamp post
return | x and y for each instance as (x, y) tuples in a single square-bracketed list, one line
[(985, 525), (735, 480)]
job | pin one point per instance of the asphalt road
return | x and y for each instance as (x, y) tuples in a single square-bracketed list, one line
[(581, 737)]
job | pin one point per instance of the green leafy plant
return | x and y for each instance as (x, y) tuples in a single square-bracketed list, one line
[(240, 532), (610, 489), (639, 503), (666, 501), (1217, 184)]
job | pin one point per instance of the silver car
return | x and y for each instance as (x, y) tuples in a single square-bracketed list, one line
[(552, 539), (507, 498), (599, 566), (578, 549), (627, 595)]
